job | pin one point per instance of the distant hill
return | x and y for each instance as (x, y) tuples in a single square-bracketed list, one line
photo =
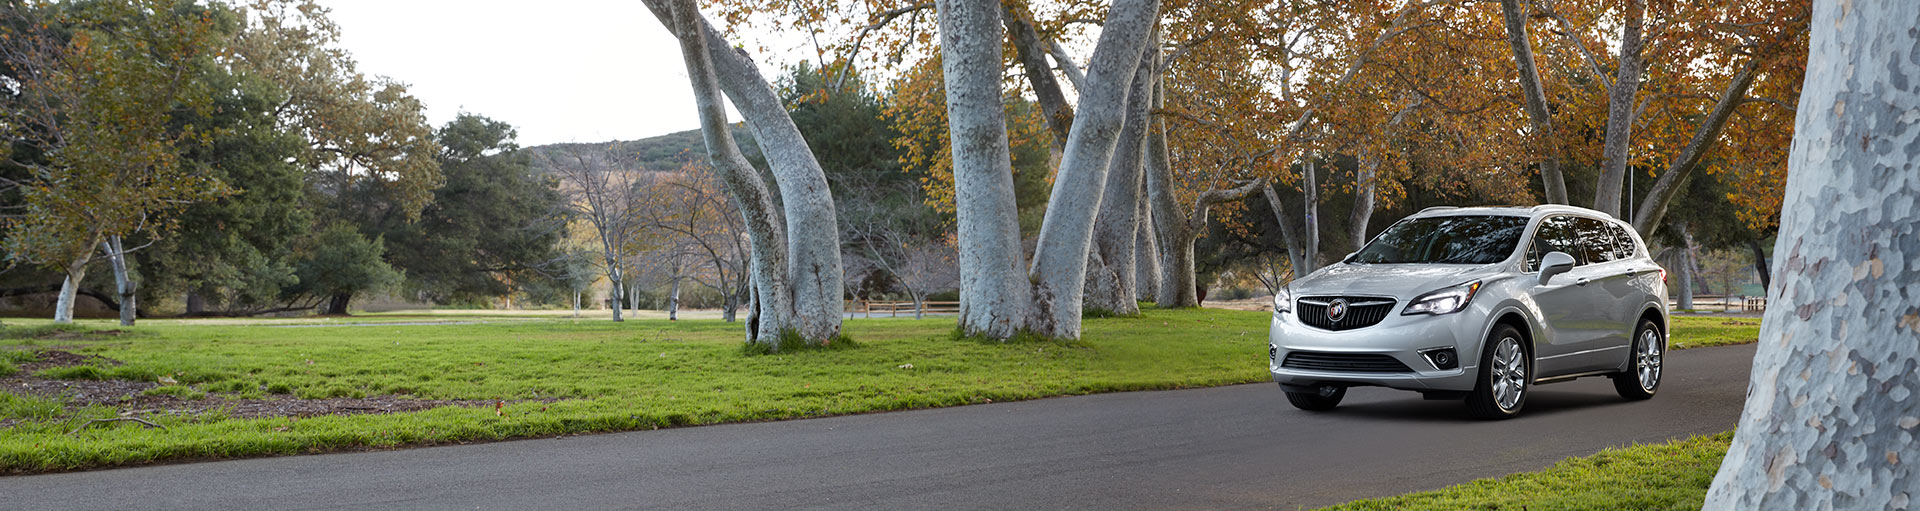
[(662, 153)]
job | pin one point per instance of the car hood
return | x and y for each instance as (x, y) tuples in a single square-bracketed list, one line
[(1402, 281)]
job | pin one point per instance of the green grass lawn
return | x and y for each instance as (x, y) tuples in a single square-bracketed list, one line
[(601, 376), (562, 376), (1672, 475)]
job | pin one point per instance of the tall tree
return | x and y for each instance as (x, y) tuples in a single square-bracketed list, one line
[(1829, 419), (603, 190), (796, 248), (493, 221), (995, 301), (91, 120)]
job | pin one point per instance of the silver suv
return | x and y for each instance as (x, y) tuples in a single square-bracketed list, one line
[(1476, 303)]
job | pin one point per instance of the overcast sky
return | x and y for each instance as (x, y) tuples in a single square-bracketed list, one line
[(559, 70)]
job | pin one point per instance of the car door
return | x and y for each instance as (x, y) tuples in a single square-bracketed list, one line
[(1571, 323), (1609, 283)]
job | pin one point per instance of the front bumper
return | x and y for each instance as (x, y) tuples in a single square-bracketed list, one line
[(1402, 337)]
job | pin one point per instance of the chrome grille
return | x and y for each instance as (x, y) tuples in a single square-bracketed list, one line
[(1361, 311)]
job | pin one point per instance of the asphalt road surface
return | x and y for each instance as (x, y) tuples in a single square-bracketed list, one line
[(1227, 447)]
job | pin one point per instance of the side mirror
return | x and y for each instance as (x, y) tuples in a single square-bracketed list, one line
[(1554, 263)]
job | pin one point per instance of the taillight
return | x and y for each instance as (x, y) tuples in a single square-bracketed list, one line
[(1663, 274)]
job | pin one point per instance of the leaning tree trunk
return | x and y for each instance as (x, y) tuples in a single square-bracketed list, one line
[(806, 298), (1614, 150), (122, 280), (69, 290), (337, 304), (1066, 233), (1536, 99), (776, 298), (1295, 242), (1760, 266), (616, 285), (1830, 418), (1310, 193), (1110, 282)]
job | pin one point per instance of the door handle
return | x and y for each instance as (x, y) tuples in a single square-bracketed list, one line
[(1583, 281)]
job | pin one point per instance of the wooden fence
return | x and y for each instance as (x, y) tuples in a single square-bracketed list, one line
[(1730, 303), (897, 308)]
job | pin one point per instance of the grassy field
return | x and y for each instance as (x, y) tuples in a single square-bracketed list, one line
[(559, 376), (1649, 477)]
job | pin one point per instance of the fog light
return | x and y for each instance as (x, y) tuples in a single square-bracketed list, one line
[(1273, 354), (1443, 358)]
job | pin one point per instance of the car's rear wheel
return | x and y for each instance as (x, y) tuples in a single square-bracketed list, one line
[(1642, 377), (1318, 400), (1506, 374)]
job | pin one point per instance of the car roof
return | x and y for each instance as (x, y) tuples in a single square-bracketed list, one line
[(1525, 211)]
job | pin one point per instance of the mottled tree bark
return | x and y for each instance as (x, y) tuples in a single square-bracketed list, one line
[(807, 296), (1551, 177), (1614, 152), (122, 280), (69, 290), (769, 256), (1684, 270), (1146, 249), (1832, 410), (1033, 61), (1110, 276), (1066, 233), (994, 294)]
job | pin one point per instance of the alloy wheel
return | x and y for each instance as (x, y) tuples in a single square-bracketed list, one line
[(1648, 359), (1509, 373)]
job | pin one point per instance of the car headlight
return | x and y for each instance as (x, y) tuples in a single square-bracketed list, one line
[(1444, 301), (1282, 301)]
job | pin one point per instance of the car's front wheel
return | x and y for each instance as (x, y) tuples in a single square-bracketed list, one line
[(1506, 374), (1318, 400), (1642, 377)]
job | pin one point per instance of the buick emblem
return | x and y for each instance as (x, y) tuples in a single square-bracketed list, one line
[(1336, 309)]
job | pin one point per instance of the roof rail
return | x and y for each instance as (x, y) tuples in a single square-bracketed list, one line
[(1437, 208)]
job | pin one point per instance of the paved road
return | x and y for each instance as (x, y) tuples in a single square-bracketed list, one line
[(1229, 447)]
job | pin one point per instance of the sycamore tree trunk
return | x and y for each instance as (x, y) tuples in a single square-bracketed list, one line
[(1536, 99), (1310, 240), (1830, 416), (1289, 234), (69, 290), (1654, 206), (616, 284), (1033, 60), (1681, 270), (994, 294), (805, 296), (1760, 265), (122, 280), (1146, 249), (673, 300), (1614, 150), (996, 302), (1110, 282), (576, 304)]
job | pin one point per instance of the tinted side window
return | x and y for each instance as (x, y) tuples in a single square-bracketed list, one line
[(1595, 238), (1623, 245), (1556, 234)]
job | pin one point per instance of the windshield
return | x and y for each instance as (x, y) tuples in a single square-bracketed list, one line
[(1446, 240)]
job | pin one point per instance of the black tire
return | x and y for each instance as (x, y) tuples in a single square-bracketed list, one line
[(1485, 402), (1642, 378), (1317, 401)]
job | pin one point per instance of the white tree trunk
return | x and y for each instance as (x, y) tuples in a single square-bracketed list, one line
[(994, 295), (1110, 282), (1365, 187), (1832, 410), (1146, 250), (1551, 177), (576, 304), (763, 222), (69, 290), (673, 301), (1614, 151), (615, 285), (1687, 270), (1060, 257), (808, 297), (122, 281), (1310, 189)]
